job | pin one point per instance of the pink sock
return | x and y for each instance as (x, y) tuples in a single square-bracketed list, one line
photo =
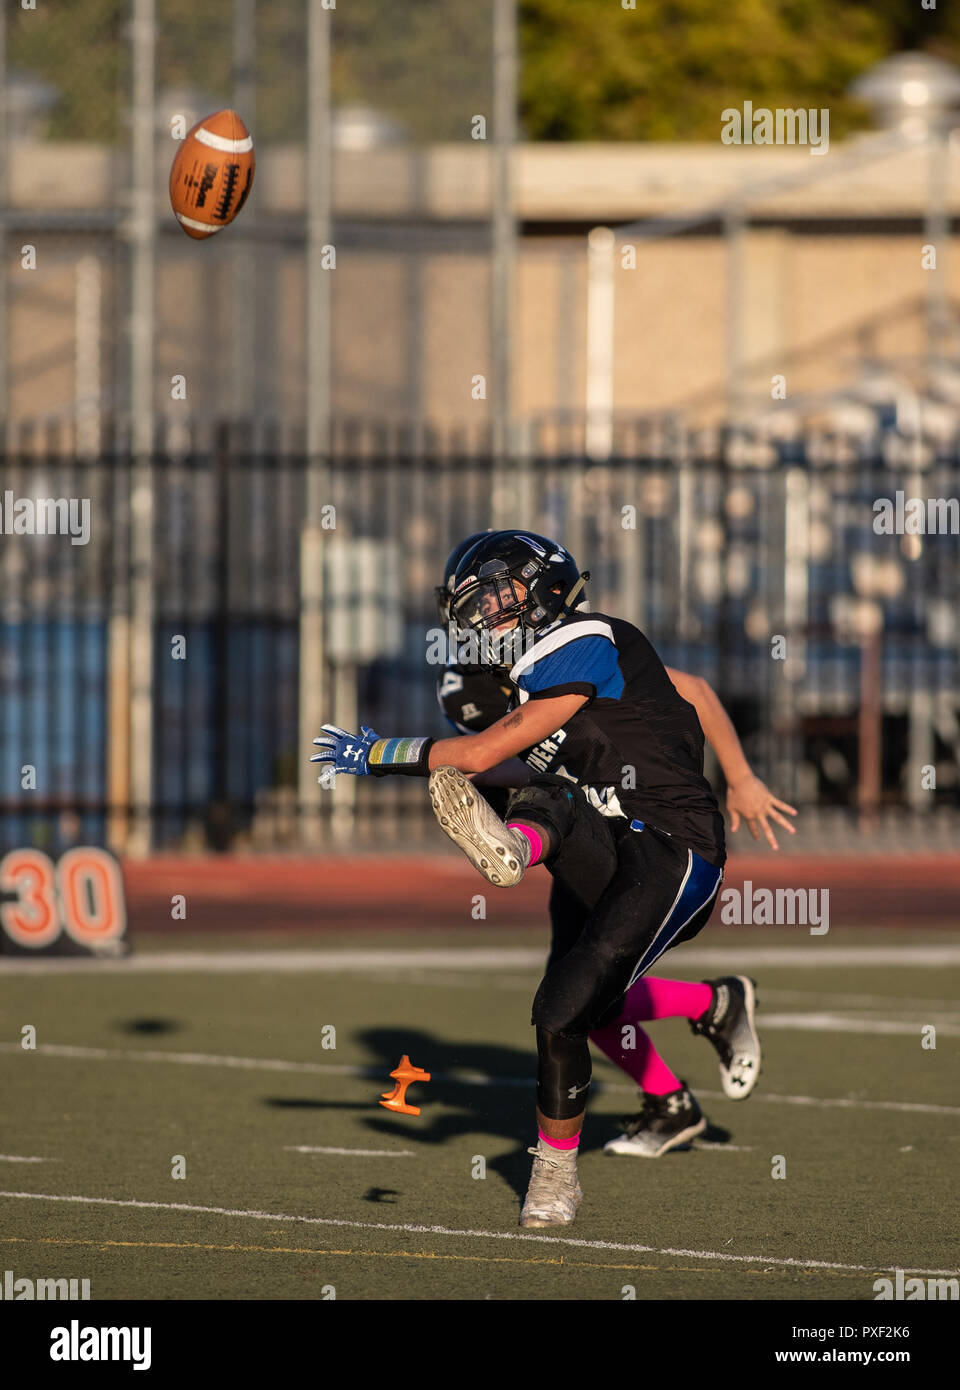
[(653, 998), (560, 1143), (643, 1063), (536, 844)]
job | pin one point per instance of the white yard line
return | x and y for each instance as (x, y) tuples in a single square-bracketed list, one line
[(18, 1158), (815, 954), (711, 1147), (349, 1153), (279, 962), (838, 1103), (189, 1059), (523, 1237), (409, 1153), (840, 1023), (462, 1078), (884, 1003)]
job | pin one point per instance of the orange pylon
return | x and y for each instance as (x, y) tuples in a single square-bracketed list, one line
[(397, 1098)]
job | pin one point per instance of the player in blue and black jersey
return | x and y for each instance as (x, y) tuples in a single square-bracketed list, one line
[(472, 697), (618, 810)]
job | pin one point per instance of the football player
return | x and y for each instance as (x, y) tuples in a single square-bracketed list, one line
[(474, 696), (619, 812)]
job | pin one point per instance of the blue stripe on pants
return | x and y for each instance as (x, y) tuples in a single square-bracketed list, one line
[(699, 887)]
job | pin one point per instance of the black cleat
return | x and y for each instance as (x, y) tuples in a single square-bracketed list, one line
[(728, 1025), (663, 1123)]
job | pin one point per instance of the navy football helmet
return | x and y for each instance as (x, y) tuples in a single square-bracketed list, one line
[(515, 580)]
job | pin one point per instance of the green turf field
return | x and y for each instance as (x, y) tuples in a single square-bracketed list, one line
[(217, 1057)]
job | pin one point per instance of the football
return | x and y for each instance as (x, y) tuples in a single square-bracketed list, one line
[(212, 174)]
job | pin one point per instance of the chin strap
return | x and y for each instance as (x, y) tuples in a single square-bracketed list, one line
[(568, 601)]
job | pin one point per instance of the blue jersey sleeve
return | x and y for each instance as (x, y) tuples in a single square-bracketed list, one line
[(585, 666)]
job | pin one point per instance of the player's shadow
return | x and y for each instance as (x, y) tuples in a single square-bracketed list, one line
[(504, 1107), (484, 1088), (147, 1026), (715, 1134), (309, 1103)]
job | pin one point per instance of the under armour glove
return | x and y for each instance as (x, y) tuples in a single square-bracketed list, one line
[(367, 754)]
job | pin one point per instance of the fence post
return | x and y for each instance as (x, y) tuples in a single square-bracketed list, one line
[(869, 725), (4, 195), (142, 326), (503, 229), (219, 826), (314, 703), (601, 310)]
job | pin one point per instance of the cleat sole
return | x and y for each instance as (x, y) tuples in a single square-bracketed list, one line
[(461, 816)]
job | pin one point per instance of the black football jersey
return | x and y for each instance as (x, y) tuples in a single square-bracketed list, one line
[(636, 747)]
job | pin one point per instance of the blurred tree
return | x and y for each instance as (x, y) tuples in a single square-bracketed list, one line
[(590, 69), (427, 64), (80, 50), (666, 70)]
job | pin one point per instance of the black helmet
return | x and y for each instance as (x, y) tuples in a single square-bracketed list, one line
[(579, 601), (486, 593), (444, 592)]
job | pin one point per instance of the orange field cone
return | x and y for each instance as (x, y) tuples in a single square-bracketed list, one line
[(397, 1098)]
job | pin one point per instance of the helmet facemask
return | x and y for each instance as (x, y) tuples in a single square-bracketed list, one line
[(505, 609), (512, 586)]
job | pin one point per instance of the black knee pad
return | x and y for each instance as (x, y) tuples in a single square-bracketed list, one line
[(573, 998), (563, 1078), (548, 800)]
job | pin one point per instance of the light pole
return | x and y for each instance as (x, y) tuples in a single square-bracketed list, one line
[(503, 236), (917, 94), (314, 674)]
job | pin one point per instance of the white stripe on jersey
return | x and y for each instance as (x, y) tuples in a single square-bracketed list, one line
[(552, 641)]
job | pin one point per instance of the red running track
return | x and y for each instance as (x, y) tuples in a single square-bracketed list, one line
[(326, 893)]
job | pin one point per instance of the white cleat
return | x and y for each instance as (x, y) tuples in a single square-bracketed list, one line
[(499, 853), (554, 1193), (729, 1025)]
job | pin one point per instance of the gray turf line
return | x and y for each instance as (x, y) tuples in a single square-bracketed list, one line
[(482, 1235)]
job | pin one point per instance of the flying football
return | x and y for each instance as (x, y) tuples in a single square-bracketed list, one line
[(212, 174)]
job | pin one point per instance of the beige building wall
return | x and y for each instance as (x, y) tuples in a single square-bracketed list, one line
[(411, 326)]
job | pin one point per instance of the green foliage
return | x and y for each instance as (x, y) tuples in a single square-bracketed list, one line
[(426, 64), (79, 50), (666, 70), (590, 69)]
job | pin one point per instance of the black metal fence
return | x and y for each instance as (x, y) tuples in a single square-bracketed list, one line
[(834, 643)]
